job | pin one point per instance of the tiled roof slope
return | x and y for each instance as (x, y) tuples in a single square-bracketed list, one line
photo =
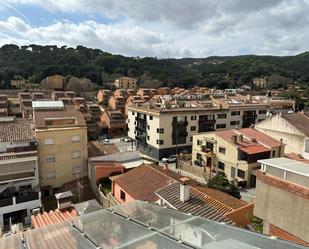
[(16, 130), (224, 198), (52, 217), (198, 204), (299, 120), (142, 182)]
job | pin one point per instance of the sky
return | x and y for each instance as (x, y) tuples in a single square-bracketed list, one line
[(160, 28)]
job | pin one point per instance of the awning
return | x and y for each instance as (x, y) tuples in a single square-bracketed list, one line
[(255, 149)]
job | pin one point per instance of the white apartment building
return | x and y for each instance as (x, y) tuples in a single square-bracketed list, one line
[(19, 180), (164, 129)]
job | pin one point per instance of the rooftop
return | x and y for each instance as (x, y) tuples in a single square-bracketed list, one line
[(138, 225), (299, 120), (47, 105), (13, 130)]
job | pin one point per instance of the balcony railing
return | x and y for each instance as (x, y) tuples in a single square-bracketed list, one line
[(6, 202), (17, 198)]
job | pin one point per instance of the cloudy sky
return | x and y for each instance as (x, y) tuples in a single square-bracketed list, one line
[(161, 28)]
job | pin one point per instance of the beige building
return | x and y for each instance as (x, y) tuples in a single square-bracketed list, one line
[(55, 82), (163, 129), (61, 134), (126, 83), (293, 128), (261, 82), (282, 199), (18, 83), (235, 152)]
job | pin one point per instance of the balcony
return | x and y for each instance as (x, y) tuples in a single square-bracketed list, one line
[(8, 197)]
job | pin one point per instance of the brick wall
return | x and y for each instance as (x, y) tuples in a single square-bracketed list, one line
[(284, 185), (281, 234), (241, 216)]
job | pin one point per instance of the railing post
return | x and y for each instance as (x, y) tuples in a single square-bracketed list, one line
[(14, 200)]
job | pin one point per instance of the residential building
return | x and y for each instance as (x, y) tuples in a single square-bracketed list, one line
[(126, 83), (103, 96), (162, 129), (55, 82), (146, 92), (95, 110), (205, 202), (282, 199), (113, 123), (139, 225), (19, 178), (4, 105), (293, 128), (277, 104), (133, 100), (117, 103), (18, 83), (235, 152), (61, 134), (261, 82)]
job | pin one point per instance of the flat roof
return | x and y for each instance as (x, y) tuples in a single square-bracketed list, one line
[(47, 104), (288, 165)]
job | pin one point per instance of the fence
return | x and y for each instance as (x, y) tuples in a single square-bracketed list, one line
[(194, 170), (107, 200)]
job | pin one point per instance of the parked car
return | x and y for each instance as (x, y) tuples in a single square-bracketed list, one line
[(170, 159), (105, 141), (127, 140)]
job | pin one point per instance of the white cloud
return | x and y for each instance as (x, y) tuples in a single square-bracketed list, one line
[(121, 39)]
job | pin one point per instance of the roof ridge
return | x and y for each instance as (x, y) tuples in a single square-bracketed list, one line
[(159, 171)]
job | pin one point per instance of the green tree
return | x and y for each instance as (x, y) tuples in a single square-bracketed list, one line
[(220, 181)]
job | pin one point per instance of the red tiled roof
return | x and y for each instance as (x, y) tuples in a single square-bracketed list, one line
[(142, 182), (254, 149), (260, 137), (222, 197), (296, 157), (52, 217)]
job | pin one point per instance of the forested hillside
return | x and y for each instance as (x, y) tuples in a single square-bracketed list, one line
[(35, 62)]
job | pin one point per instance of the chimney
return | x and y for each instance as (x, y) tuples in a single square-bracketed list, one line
[(64, 200), (234, 139), (184, 189), (165, 166), (241, 138)]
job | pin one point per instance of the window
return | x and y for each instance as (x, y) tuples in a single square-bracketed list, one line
[(262, 111), (50, 159), (51, 175), (49, 141), (193, 128), (75, 154), (222, 115), (198, 142), (307, 145), (76, 170), (235, 113), (260, 120), (160, 141), (122, 195), (221, 165), (241, 173), (151, 117), (193, 117), (160, 130), (148, 127), (233, 172), (133, 113), (148, 137), (222, 150), (191, 139), (234, 123), (221, 126), (76, 139)]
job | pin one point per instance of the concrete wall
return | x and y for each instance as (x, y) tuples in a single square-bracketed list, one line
[(116, 194), (277, 127), (284, 205), (62, 149)]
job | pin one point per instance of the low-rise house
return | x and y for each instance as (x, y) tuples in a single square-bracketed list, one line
[(235, 152), (19, 177), (293, 128), (110, 165), (146, 92), (126, 83), (103, 96), (261, 82), (117, 103), (4, 105), (282, 199), (113, 123), (18, 83), (94, 110)]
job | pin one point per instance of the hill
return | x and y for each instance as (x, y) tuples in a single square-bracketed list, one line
[(35, 62)]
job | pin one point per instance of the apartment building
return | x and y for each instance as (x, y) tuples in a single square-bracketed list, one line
[(61, 134), (126, 83), (4, 105), (19, 177), (282, 199), (163, 129), (117, 103), (261, 82), (113, 123), (55, 82), (235, 152), (293, 128), (103, 96)]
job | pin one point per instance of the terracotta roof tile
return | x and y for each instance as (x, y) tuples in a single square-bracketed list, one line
[(142, 182)]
